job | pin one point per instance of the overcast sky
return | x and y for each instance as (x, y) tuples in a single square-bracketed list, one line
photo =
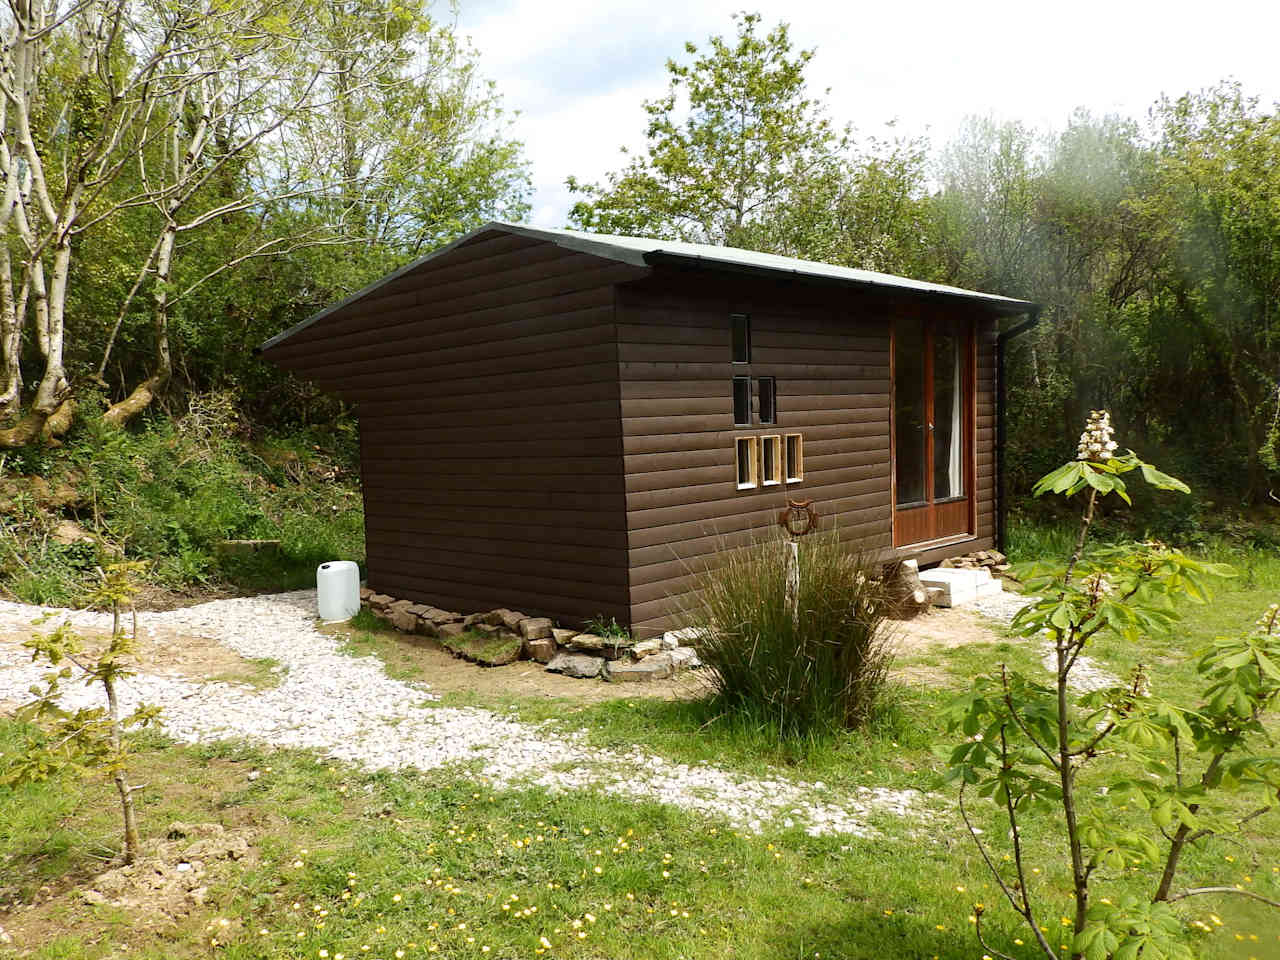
[(578, 70)]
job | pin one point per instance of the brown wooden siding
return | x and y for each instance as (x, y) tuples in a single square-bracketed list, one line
[(829, 353), (491, 446), (551, 431)]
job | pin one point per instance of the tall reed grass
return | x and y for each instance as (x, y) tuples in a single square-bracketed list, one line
[(819, 672)]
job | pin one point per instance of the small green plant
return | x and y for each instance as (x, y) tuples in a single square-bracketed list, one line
[(610, 629), (89, 738), (815, 673), (1131, 779)]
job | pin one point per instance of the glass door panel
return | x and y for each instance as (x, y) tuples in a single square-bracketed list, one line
[(948, 423), (910, 416), (932, 424)]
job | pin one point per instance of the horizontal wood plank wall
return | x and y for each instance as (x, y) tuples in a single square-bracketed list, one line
[(491, 448), (830, 358), (829, 352)]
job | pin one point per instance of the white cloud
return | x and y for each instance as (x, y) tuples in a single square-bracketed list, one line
[(578, 70)]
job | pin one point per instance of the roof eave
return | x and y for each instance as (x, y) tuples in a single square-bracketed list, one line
[(1003, 306), (582, 245)]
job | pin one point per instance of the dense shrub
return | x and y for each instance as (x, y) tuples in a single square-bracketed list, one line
[(169, 491), (821, 671)]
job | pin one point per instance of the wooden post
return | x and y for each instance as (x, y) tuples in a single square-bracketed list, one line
[(798, 519), (793, 576)]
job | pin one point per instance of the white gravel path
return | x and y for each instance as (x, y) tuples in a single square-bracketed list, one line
[(349, 709), (1086, 675)]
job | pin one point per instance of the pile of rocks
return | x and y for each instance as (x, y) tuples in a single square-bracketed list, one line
[(992, 560), (508, 635)]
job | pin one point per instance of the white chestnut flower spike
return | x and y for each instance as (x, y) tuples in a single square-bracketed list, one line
[(1096, 442)]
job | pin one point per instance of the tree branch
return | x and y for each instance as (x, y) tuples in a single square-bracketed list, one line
[(1237, 891)]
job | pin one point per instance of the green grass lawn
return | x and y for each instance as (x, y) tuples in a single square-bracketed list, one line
[(351, 864)]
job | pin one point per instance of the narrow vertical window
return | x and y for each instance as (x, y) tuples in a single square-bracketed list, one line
[(741, 400), (795, 457), (770, 461), (768, 399), (747, 447), (741, 324)]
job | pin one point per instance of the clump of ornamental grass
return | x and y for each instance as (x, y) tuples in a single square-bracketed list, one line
[(818, 671)]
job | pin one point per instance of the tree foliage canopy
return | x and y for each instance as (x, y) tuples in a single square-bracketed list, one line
[(749, 142), (181, 179)]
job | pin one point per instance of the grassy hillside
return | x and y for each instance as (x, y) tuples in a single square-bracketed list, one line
[(169, 492)]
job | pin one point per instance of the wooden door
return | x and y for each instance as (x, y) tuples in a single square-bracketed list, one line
[(932, 430)]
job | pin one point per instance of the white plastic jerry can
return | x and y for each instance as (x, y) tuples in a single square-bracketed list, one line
[(338, 590)]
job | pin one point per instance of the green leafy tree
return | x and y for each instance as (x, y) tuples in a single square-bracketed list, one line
[(731, 146), (1036, 749), (871, 210), (87, 739), (1214, 317)]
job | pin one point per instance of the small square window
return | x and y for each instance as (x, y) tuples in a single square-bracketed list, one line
[(741, 326), (741, 400), (795, 457), (768, 389), (746, 449), (770, 461)]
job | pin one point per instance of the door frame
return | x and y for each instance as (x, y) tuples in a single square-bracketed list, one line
[(969, 380)]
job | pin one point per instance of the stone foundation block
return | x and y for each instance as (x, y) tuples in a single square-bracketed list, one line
[(535, 628), (541, 650), (404, 621)]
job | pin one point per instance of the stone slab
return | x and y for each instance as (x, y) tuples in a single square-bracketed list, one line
[(576, 665), (684, 637), (684, 658), (959, 587), (607, 647), (646, 648), (656, 667)]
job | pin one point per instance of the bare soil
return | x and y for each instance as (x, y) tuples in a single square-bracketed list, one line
[(420, 658), (198, 844), (937, 627), (941, 628), (169, 653)]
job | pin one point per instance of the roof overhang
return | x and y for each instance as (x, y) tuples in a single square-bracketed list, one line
[(648, 252), (1002, 306)]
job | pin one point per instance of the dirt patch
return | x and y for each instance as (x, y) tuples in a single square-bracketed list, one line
[(165, 652), (941, 627), (425, 660), (938, 627), (168, 882)]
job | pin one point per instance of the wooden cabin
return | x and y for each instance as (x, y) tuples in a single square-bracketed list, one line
[(565, 423)]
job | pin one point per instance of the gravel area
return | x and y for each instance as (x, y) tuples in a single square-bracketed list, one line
[(1086, 675), (349, 709), (1001, 606)]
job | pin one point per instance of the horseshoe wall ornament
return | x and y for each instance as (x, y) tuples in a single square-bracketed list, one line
[(798, 518)]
